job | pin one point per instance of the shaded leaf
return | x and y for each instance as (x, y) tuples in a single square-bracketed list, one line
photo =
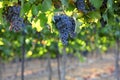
[(46, 5), (34, 10), (64, 2), (96, 3)]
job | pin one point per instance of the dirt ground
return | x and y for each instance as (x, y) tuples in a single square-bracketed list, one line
[(100, 68)]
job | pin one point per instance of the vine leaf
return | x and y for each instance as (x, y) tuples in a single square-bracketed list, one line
[(34, 10), (65, 3), (26, 7), (46, 5), (109, 6), (96, 3)]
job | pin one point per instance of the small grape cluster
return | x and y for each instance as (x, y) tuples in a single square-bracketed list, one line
[(66, 27), (12, 14), (80, 5)]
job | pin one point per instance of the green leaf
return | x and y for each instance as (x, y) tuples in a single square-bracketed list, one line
[(46, 5), (22, 9), (39, 22), (34, 10), (26, 7), (96, 3), (94, 15), (64, 2), (105, 17), (32, 1), (110, 6), (117, 34), (109, 3), (43, 19), (0, 15)]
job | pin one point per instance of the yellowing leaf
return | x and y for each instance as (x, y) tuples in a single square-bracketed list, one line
[(36, 24), (1, 42), (29, 15), (1, 4)]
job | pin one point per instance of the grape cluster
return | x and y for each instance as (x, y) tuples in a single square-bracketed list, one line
[(80, 5), (12, 14), (66, 27)]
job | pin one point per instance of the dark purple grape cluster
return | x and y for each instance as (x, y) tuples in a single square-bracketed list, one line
[(12, 14), (80, 5), (66, 27)]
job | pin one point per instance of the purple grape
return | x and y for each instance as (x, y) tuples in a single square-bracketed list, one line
[(80, 5)]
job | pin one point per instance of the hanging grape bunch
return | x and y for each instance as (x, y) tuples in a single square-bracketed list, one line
[(80, 5), (12, 14), (65, 26)]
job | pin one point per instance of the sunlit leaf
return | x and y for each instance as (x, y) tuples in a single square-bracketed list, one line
[(36, 24)]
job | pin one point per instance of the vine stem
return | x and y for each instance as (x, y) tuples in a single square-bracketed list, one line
[(0, 67), (117, 67), (64, 59), (49, 67), (58, 66), (23, 56)]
